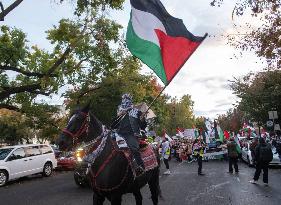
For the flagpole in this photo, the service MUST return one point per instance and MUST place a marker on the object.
(206, 34)
(155, 99)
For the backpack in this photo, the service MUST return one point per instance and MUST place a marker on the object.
(266, 154)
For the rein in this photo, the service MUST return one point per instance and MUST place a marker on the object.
(113, 153)
(82, 129)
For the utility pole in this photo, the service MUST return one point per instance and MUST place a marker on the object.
(272, 115)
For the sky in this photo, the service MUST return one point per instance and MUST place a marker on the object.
(204, 76)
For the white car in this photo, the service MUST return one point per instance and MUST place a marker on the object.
(247, 157)
(22, 160)
(246, 154)
(276, 160)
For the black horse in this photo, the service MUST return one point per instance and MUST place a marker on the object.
(110, 174)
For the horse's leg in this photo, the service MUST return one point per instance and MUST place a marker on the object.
(154, 186)
(138, 197)
(116, 199)
(98, 199)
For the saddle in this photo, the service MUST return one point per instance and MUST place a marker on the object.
(143, 143)
(146, 150)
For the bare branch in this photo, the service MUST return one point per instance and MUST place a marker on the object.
(77, 66)
(82, 94)
(41, 92)
(4, 12)
(36, 87)
(27, 73)
(59, 61)
(68, 50)
(1, 6)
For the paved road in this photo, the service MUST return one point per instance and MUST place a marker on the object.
(182, 187)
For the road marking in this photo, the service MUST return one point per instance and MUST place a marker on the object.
(220, 197)
(208, 190)
(219, 185)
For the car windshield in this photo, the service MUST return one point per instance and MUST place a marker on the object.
(4, 152)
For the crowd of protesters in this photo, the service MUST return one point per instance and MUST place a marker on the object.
(190, 149)
(182, 149)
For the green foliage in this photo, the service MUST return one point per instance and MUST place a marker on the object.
(180, 114)
(200, 122)
(106, 97)
(125, 79)
(82, 55)
(84, 5)
(259, 93)
(88, 56)
(38, 121)
(12, 45)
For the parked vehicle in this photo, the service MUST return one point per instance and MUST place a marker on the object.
(56, 151)
(247, 157)
(276, 159)
(80, 169)
(246, 154)
(66, 160)
(23, 160)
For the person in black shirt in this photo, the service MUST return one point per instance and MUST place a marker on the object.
(128, 125)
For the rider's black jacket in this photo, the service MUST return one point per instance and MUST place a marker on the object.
(129, 123)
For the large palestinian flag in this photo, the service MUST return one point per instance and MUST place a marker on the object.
(158, 39)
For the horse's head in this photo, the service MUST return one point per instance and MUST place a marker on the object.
(82, 127)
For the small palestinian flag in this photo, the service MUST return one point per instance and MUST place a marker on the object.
(158, 39)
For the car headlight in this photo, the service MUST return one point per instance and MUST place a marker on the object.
(79, 154)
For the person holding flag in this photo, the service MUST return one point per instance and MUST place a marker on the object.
(232, 156)
(128, 124)
(238, 147)
(159, 40)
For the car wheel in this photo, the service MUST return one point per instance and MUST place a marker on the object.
(48, 169)
(3, 177)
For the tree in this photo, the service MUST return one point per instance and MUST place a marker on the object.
(264, 40)
(233, 120)
(200, 122)
(180, 114)
(80, 57)
(125, 78)
(40, 124)
(259, 93)
(81, 6)
(77, 59)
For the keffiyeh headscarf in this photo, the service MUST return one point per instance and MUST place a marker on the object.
(126, 103)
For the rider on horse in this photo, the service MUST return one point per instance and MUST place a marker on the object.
(128, 124)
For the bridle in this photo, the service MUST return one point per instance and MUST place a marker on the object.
(84, 127)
